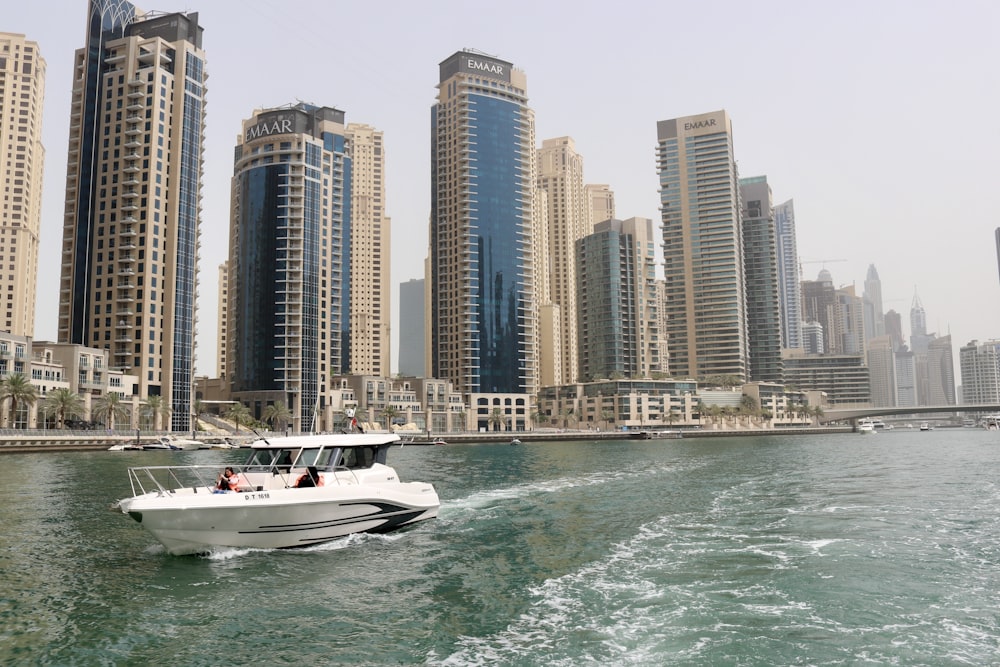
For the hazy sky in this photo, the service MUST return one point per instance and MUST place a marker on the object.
(878, 118)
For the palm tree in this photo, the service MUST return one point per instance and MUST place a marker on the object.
(606, 417)
(390, 413)
(495, 419)
(64, 403)
(238, 413)
(153, 408)
(18, 389)
(199, 407)
(109, 408)
(277, 415)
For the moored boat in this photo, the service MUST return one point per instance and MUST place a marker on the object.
(291, 492)
(177, 442)
(866, 426)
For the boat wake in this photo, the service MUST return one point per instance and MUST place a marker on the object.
(491, 498)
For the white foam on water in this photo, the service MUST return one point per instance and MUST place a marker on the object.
(606, 612)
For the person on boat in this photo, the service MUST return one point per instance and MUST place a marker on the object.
(228, 481)
(309, 478)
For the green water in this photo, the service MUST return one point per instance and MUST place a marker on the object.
(813, 550)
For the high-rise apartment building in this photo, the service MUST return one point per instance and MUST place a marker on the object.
(602, 203)
(289, 259)
(702, 247)
(980, 367)
(618, 314)
(819, 306)
(370, 286)
(133, 197)
(940, 372)
(872, 296)
(481, 273)
(560, 175)
(760, 267)
(789, 280)
(894, 328)
(222, 337)
(22, 90)
(882, 370)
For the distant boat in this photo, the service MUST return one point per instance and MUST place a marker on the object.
(924, 426)
(438, 441)
(866, 427)
(515, 441)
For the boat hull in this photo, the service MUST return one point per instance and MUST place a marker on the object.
(188, 522)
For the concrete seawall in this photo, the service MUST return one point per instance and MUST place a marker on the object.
(12, 441)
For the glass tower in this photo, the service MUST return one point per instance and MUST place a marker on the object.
(133, 197)
(483, 321)
(760, 267)
(289, 266)
(789, 280)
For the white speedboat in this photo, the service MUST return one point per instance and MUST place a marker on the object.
(291, 492)
(866, 426)
(175, 442)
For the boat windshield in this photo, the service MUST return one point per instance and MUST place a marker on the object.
(323, 458)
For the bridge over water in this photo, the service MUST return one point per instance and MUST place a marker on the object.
(853, 414)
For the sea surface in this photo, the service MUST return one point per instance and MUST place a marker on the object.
(836, 549)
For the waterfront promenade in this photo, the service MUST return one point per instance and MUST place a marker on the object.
(58, 440)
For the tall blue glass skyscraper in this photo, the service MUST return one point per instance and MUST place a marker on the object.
(483, 335)
(288, 264)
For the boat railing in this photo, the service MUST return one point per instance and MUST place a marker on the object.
(163, 479)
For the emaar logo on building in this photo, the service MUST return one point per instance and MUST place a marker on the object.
(483, 66)
(278, 126)
(699, 125)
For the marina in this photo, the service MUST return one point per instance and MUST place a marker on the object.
(820, 548)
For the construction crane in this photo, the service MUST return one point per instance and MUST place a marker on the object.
(816, 261)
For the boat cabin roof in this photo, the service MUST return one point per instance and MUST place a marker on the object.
(330, 440)
(322, 452)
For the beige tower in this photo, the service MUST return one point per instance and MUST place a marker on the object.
(220, 364)
(132, 217)
(560, 175)
(602, 204)
(22, 88)
(370, 280)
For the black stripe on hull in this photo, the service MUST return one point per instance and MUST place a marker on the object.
(394, 516)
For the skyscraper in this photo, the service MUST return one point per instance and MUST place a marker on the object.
(919, 338)
(760, 267)
(483, 318)
(222, 337)
(133, 197)
(289, 259)
(22, 89)
(874, 315)
(618, 314)
(560, 175)
(789, 280)
(370, 296)
(980, 365)
(602, 203)
(940, 372)
(702, 247)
